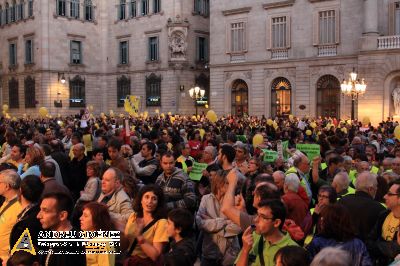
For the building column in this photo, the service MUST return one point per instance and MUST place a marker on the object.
(370, 17)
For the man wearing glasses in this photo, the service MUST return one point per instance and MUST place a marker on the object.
(384, 240)
(261, 244)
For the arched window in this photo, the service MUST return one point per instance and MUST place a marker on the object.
(13, 93)
(123, 89)
(74, 9)
(89, 14)
(280, 97)
(240, 98)
(153, 90)
(203, 81)
(77, 97)
(328, 96)
(30, 96)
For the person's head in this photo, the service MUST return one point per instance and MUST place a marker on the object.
(55, 210)
(387, 163)
(112, 180)
(254, 165)
(326, 195)
(31, 188)
(292, 183)
(367, 182)
(370, 150)
(362, 166)
(396, 165)
(78, 150)
(95, 217)
(392, 197)
(291, 256)
(46, 149)
(390, 176)
(167, 163)
(180, 223)
(47, 169)
(150, 200)
(226, 154)
(302, 163)
(271, 215)
(209, 154)
(265, 191)
(69, 131)
(114, 147)
(148, 149)
(184, 149)
(279, 179)
(75, 138)
(332, 256)
(219, 183)
(23, 258)
(336, 223)
(97, 155)
(9, 182)
(93, 169)
(335, 163)
(241, 151)
(341, 182)
(347, 163)
(17, 152)
(34, 156)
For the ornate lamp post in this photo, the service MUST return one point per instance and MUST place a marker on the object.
(196, 94)
(353, 88)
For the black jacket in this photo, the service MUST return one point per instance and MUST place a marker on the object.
(182, 253)
(364, 212)
(28, 220)
(381, 251)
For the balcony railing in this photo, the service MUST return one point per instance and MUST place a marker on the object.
(389, 42)
(327, 50)
(278, 54)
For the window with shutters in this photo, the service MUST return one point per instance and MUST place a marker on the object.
(123, 89)
(76, 52)
(153, 90)
(237, 37)
(61, 8)
(29, 88)
(13, 93)
(77, 92)
(279, 32)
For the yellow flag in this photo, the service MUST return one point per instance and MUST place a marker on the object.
(131, 104)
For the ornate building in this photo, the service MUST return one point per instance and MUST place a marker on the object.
(290, 56)
(69, 54)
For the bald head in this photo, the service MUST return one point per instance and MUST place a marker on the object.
(367, 182)
(279, 179)
(341, 182)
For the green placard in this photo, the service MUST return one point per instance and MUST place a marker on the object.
(269, 156)
(285, 146)
(197, 171)
(242, 138)
(312, 150)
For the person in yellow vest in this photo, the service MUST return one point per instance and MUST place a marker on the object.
(9, 210)
(341, 184)
(185, 161)
(360, 167)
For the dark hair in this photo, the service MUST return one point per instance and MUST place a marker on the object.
(278, 210)
(104, 137)
(47, 169)
(101, 218)
(32, 188)
(22, 257)
(336, 160)
(159, 212)
(395, 182)
(267, 192)
(229, 152)
(264, 177)
(115, 144)
(46, 149)
(336, 223)
(96, 151)
(182, 220)
(151, 146)
(64, 201)
(95, 166)
(293, 256)
(167, 154)
(331, 191)
(22, 149)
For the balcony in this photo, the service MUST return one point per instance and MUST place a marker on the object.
(327, 50)
(279, 54)
(389, 42)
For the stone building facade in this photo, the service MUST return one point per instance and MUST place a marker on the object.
(290, 56)
(104, 50)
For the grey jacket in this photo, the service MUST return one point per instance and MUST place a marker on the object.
(119, 205)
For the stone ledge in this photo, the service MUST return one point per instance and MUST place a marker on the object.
(278, 4)
(236, 11)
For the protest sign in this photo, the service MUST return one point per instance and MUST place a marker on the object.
(312, 150)
(269, 156)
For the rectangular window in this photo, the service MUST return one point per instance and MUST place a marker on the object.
(327, 27)
(132, 9)
(89, 10)
(145, 7)
(123, 53)
(76, 52)
(279, 32)
(12, 15)
(7, 14)
(13, 54)
(21, 11)
(153, 90)
(74, 9)
(238, 37)
(13, 93)
(123, 90)
(30, 8)
(397, 18)
(153, 49)
(61, 7)
(121, 10)
(156, 6)
(28, 51)
(202, 49)
(201, 7)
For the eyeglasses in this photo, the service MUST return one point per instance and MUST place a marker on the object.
(260, 215)
(392, 194)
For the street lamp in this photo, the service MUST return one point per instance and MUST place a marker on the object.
(196, 94)
(353, 88)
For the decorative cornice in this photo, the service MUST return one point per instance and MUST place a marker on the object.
(279, 4)
(75, 36)
(236, 11)
(153, 31)
(29, 35)
(202, 32)
(123, 36)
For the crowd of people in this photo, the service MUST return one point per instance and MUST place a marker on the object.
(136, 176)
